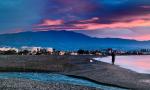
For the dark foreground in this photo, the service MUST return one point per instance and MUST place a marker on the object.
(77, 66)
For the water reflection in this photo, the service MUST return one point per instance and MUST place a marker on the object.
(139, 64)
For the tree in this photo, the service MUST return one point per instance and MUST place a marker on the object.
(10, 52)
(24, 52)
(80, 51)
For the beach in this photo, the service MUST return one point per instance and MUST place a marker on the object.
(79, 67)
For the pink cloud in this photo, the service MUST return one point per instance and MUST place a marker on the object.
(95, 26)
(94, 19)
(92, 24)
(48, 22)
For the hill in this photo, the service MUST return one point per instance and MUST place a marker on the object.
(67, 40)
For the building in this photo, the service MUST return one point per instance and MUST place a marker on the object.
(34, 50)
(4, 49)
(31, 50)
(62, 53)
(98, 53)
(50, 50)
(73, 53)
(8, 51)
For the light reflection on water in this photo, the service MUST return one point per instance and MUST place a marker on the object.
(139, 64)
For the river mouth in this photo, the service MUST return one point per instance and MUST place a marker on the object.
(52, 77)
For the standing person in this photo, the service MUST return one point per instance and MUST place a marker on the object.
(113, 57)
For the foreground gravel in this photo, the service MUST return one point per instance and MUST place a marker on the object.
(24, 84)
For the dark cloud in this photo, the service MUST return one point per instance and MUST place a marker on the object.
(108, 10)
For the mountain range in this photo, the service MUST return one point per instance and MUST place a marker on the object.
(68, 40)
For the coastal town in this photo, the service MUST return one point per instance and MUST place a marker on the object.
(25, 50)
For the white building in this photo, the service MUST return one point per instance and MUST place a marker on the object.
(62, 53)
(33, 50)
(3, 49)
(98, 53)
(25, 48)
(50, 50)
(73, 53)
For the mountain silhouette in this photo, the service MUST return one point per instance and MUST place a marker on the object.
(67, 40)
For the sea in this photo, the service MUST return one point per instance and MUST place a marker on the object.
(138, 63)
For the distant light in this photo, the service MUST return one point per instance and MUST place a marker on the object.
(91, 61)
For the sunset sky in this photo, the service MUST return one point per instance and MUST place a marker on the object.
(128, 19)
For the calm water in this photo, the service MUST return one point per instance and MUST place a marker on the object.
(139, 64)
(45, 77)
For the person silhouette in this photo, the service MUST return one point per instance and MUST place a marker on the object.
(113, 57)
